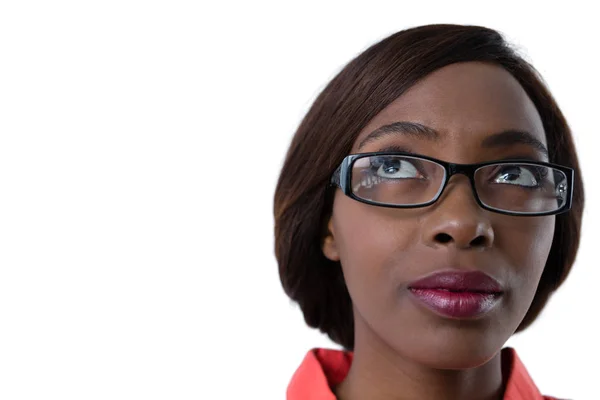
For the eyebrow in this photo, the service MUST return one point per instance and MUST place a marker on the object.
(402, 127)
(501, 139)
(513, 136)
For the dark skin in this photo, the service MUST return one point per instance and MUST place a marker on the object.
(402, 350)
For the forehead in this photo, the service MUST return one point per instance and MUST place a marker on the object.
(465, 102)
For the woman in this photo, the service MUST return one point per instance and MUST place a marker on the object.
(429, 205)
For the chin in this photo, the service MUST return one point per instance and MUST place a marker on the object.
(452, 350)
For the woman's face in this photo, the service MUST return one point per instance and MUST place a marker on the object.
(382, 250)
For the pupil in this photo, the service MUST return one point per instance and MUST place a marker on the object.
(390, 166)
(510, 175)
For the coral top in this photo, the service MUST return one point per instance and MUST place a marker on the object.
(325, 368)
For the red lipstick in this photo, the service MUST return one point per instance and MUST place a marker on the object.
(458, 294)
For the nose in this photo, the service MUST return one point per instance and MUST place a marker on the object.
(457, 220)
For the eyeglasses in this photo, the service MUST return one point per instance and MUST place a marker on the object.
(406, 180)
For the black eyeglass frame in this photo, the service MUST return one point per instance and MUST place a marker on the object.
(342, 178)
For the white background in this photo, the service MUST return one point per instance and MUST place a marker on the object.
(140, 143)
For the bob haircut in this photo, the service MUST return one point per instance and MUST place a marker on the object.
(364, 87)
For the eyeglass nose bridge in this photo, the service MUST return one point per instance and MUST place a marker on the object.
(467, 170)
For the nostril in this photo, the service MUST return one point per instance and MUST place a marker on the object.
(478, 241)
(443, 238)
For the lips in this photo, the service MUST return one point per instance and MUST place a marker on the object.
(459, 281)
(458, 294)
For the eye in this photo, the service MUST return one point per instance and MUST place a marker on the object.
(518, 175)
(396, 168)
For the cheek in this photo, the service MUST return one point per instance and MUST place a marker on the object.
(367, 239)
(526, 244)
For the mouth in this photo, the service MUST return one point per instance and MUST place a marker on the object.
(458, 294)
(444, 289)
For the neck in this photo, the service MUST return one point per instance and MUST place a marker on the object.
(379, 372)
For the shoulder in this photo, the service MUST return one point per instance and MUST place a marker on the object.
(519, 384)
(320, 370)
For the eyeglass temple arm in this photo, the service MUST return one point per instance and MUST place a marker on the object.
(339, 175)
